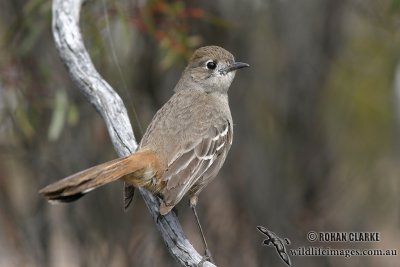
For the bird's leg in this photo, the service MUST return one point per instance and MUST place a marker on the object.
(207, 256)
(175, 210)
(161, 200)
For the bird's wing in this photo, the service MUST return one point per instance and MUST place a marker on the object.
(200, 159)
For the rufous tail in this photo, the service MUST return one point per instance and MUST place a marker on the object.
(137, 169)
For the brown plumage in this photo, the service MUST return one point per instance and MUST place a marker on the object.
(138, 169)
(184, 146)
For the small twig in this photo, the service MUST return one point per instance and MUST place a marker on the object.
(107, 102)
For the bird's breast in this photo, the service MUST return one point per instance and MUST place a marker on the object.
(184, 119)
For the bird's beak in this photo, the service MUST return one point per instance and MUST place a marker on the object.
(234, 66)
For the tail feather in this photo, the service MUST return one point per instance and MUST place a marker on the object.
(77, 185)
(65, 199)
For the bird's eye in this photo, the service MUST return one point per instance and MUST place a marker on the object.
(211, 65)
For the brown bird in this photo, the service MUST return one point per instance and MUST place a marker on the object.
(184, 146)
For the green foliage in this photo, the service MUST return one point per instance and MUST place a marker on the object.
(169, 23)
(29, 26)
(59, 114)
(394, 6)
(359, 99)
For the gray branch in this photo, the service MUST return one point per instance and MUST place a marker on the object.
(107, 102)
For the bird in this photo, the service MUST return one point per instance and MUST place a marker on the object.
(184, 146)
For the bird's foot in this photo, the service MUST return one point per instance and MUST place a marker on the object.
(207, 257)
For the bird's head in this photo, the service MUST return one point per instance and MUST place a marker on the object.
(212, 69)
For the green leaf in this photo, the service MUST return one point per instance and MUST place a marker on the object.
(59, 114)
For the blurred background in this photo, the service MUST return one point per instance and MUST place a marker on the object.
(316, 144)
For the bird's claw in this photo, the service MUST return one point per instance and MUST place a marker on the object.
(207, 257)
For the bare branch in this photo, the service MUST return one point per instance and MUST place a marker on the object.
(107, 102)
